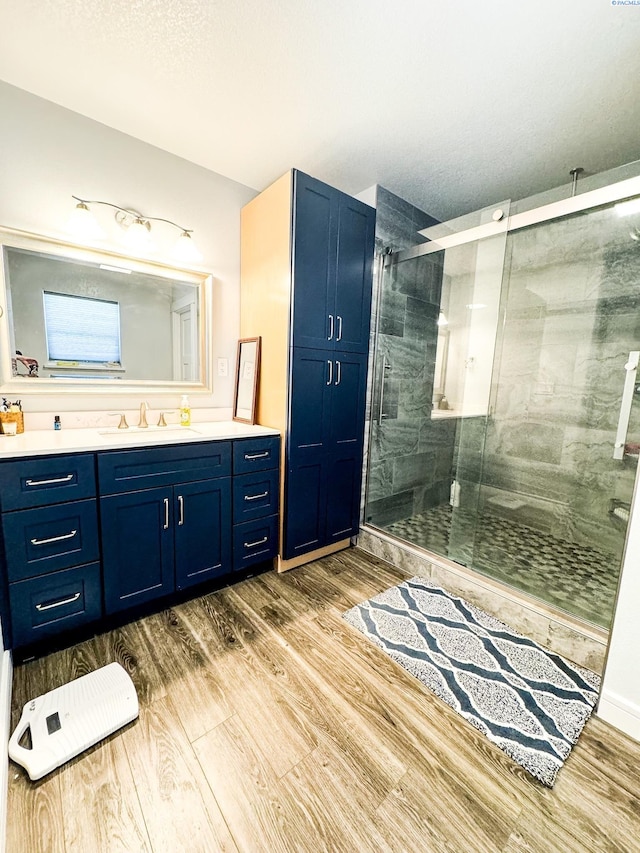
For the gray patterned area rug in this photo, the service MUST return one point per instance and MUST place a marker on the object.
(531, 702)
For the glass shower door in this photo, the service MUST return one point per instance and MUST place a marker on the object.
(563, 439)
(438, 316)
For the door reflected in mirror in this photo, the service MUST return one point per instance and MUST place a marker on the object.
(245, 399)
(79, 317)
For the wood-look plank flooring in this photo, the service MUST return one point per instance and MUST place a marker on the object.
(268, 724)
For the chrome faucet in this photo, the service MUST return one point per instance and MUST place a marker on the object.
(144, 408)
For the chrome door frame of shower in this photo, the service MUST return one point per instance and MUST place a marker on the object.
(555, 210)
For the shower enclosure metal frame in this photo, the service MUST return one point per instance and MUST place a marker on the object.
(555, 210)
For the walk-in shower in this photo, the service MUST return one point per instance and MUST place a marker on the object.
(505, 412)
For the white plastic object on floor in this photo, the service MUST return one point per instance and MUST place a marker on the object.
(66, 721)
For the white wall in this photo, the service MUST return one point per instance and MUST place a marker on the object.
(6, 670)
(48, 153)
(620, 697)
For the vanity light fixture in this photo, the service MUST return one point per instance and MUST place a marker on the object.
(137, 229)
(442, 320)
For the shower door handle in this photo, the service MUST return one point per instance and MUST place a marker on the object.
(383, 375)
(631, 368)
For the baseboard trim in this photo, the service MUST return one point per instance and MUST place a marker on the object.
(6, 674)
(294, 562)
(619, 712)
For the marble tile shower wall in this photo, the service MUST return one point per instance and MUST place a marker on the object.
(410, 455)
(571, 322)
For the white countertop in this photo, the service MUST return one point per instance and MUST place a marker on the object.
(41, 442)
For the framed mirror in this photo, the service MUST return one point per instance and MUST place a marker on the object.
(245, 398)
(79, 319)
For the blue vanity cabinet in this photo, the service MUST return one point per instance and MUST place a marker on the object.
(89, 535)
(50, 545)
(333, 247)
(158, 539)
(256, 496)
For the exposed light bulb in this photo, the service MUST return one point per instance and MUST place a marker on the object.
(185, 249)
(137, 236)
(83, 224)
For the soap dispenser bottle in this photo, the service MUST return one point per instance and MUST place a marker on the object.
(185, 411)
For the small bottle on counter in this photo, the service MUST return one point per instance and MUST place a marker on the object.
(56, 422)
(185, 412)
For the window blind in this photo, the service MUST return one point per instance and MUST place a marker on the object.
(81, 329)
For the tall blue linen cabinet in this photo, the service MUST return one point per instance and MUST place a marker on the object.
(306, 279)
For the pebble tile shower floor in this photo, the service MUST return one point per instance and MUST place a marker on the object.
(577, 579)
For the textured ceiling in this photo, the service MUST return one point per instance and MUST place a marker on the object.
(452, 104)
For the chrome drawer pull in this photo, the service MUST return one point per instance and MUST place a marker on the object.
(339, 338)
(181, 510)
(166, 514)
(255, 497)
(253, 544)
(49, 482)
(64, 601)
(330, 327)
(256, 455)
(54, 539)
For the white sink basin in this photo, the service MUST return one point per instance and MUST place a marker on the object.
(149, 434)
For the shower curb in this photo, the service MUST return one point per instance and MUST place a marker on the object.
(580, 642)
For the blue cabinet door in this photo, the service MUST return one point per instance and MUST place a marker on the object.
(333, 247)
(306, 499)
(137, 547)
(312, 378)
(344, 478)
(347, 398)
(315, 239)
(202, 520)
(356, 232)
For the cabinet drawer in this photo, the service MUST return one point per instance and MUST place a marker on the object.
(256, 454)
(132, 470)
(46, 539)
(255, 541)
(41, 481)
(56, 602)
(255, 495)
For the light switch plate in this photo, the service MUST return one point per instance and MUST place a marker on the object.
(223, 367)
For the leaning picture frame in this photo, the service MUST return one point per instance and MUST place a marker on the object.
(247, 378)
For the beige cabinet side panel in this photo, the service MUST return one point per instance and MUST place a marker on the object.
(265, 294)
